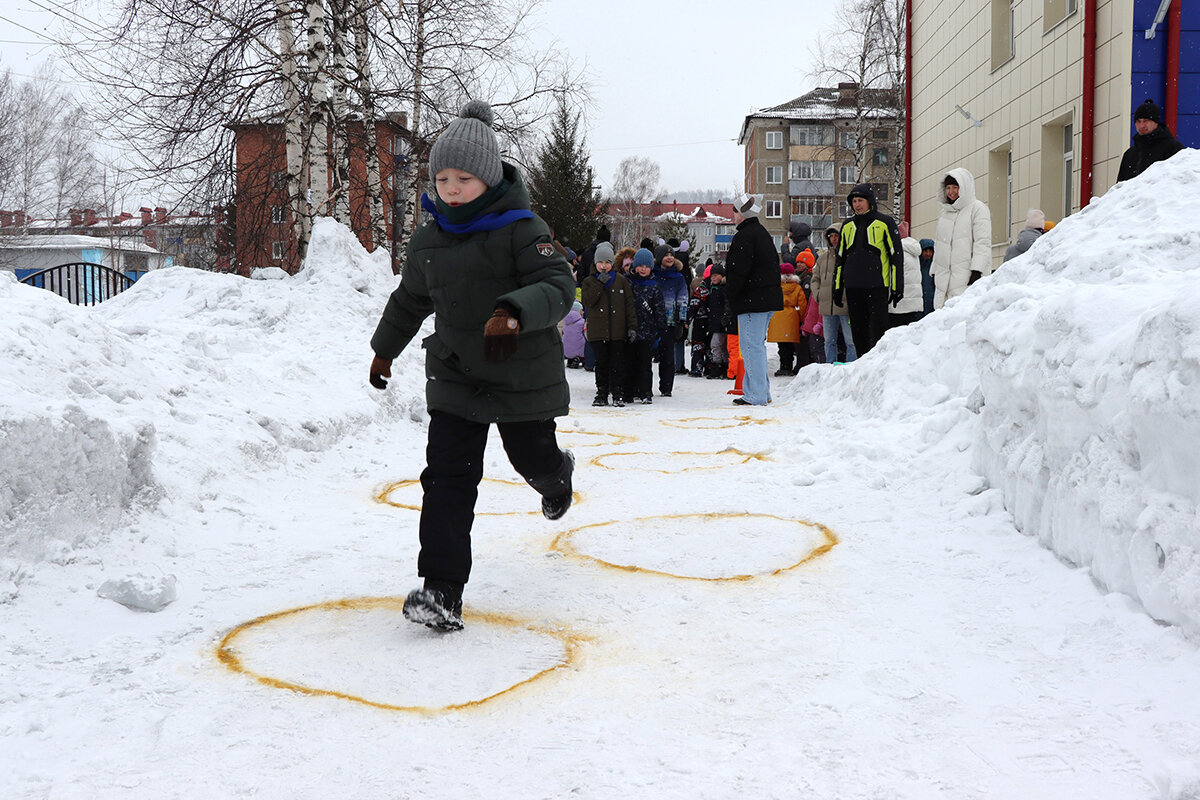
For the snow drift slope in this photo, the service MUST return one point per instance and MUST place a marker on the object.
(1081, 361)
(103, 405)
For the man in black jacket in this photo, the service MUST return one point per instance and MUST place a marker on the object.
(1152, 143)
(755, 293)
(869, 268)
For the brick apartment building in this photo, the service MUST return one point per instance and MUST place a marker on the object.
(804, 156)
(265, 234)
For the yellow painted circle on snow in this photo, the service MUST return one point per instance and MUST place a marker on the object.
(563, 544)
(612, 438)
(228, 654)
(729, 457)
(716, 423)
(385, 496)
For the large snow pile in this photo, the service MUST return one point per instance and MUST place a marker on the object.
(1078, 364)
(100, 407)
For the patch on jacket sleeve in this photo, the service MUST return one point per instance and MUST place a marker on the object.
(546, 249)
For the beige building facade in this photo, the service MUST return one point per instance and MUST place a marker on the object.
(998, 87)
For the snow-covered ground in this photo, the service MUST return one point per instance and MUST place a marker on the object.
(967, 566)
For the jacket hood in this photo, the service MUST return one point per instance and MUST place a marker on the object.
(834, 228)
(863, 190)
(799, 230)
(966, 188)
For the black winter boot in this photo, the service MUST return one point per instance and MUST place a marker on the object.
(437, 606)
(555, 488)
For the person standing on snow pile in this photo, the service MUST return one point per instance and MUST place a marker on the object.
(963, 236)
(784, 327)
(668, 271)
(1035, 226)
(611, 317)
(927, 275)
(1152, 143)
(834, 319)
(910, 308)
(485, 266)
(869, 269)
(651, 326)
(752, 278)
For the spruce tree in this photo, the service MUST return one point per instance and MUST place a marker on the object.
(561, 187)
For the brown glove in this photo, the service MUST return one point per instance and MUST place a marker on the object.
(500, 336)
(380, 368)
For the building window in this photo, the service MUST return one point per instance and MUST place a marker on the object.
(1055, 11)
(1002, 32)
(880, 133)
(277, 215)
(810, 170)
(708, 230)
(774, 174)
(277, 251)
(774, 140)
(810, 206)
(848, 140)
(1000, 192)
(811, 135)
(1068, 170)
(774, 209)
(844, 210)
(1057, 179)
(279, 180)
(847, 176)
(881, 192)
(880, 157)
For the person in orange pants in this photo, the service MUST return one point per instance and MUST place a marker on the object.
(737, 368)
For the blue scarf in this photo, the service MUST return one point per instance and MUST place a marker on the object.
(484, 222)
(638, 280)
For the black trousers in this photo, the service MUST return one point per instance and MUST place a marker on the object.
(640, 375)
(867, 309)
(787, 355)
(454, 468)
(666, 360)
(610, 367)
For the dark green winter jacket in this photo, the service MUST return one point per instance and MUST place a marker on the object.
(460, 279)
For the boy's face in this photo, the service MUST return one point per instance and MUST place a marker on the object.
(457, 187)
(718, 279)
(643, 270)
(603, 266)
(668, 261)
(927, 252)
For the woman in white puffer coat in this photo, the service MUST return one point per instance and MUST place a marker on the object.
(963, 237)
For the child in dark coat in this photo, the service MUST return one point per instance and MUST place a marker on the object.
(611, 316)
(652, 325)
(486, 267)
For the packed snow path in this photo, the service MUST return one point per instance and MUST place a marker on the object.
(932, 652)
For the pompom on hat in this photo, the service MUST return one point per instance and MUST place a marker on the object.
(469, 144)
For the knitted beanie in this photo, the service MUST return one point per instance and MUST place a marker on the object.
(660, 252)
(1036, 218)
(643, 258)
(469, 144)
(1148, 110)
(604, 252)
(787, 269)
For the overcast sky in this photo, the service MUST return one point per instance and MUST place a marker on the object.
(670, 81)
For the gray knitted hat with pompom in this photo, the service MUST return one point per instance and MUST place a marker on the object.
(469, 144)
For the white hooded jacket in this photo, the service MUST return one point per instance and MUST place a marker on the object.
(913, 299)
(963, 239)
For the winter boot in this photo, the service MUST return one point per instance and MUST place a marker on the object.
(601, 400)
(618, 402)
(555, 488)
(437, 606)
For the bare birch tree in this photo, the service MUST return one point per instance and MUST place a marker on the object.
(636, 182)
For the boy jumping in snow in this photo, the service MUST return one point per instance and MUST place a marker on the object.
(486, 267)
